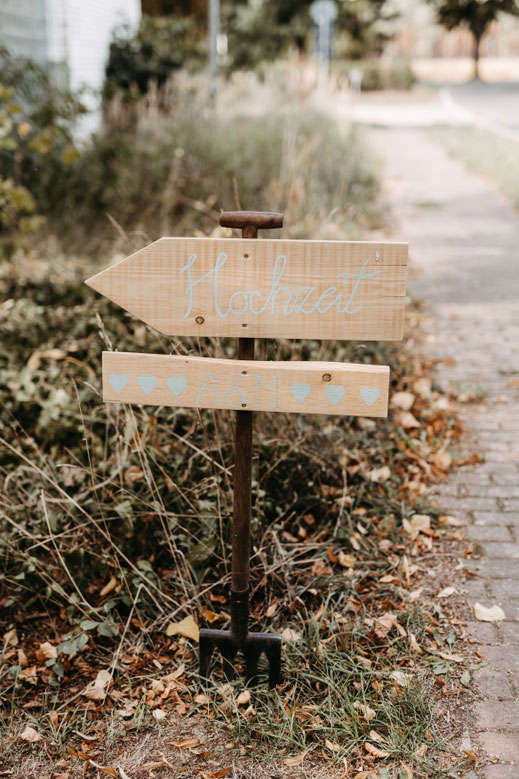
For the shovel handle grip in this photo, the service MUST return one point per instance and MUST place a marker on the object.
(260, 220)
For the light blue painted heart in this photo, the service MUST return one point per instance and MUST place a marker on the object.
(118, 381)
(147, 383)
(335, 392)
(370, 395)
(176, 384)
(300, 391)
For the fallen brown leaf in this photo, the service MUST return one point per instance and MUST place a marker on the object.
(319, 568)
(375, 751)
(454, 521)
(402, 400)
(29, 675)
(331, 746)
(296, 760)
(366, 712)
(493, 614)
(379, 474)
(97, 690)
(186, 627)
(472, 460)
(346, 560)
(217, 774)
(407, 420)
(54, 718)
(291, 635)
(105, 769)
(132, 475)
(46, 651)
(442, 460)
(272, 608)
(186, 743)
(109, 586)
(452, 657)
(446, 592)
(151, 765)
(30, 735)
(158, 715)
(210, 616)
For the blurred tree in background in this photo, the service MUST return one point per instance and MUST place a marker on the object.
(477, 15)
(173, 34)
(156, 49)
(196, 9)
(261, 30)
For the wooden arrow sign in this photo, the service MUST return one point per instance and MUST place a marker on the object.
(265, 289)
(201, 382)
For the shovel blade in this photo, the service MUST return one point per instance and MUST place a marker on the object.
(254, 645)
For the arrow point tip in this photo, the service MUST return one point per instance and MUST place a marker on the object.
(91, 282)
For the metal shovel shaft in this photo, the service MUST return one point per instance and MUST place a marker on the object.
(251, 645)
(242, 488)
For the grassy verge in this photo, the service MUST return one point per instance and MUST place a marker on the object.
(116, 524)
(486, 153)
(160, 174)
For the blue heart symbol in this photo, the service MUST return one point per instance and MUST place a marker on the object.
(118, 381)
(335, 392)
(147, 383)
(300, 391)
(176, 384)
(370, 395)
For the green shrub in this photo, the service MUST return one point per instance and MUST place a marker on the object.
(36, 140)
(172, 174)
(17, 206)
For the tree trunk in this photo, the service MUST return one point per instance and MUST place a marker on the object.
(477, 43)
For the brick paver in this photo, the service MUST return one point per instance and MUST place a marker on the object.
(464, 240)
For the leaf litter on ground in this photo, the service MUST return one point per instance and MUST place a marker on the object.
(341, 569)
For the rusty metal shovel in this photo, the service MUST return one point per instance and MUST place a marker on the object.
(239, 639)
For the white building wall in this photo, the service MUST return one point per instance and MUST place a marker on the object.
(23, 28)
(73, 33)
(79, 33)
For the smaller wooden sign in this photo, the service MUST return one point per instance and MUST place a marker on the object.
(201, 382)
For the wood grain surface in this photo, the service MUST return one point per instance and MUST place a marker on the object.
(201, 382)
(265, 289)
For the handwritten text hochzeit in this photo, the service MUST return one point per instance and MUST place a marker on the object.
(287, 300)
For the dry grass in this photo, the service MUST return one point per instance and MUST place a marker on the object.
(483, 152)
(169, 170)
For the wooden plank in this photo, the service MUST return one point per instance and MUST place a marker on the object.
(264, 289)
(201, 382)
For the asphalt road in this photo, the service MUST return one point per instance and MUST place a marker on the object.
(497, 103)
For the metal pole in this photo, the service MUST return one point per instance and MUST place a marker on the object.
(242, 488)
(324, 54)
(239, 638)
(214, 23)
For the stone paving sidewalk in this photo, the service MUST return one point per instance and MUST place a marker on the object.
(464, 249)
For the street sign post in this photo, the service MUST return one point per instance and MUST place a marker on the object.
(324, 13)
(266, 289)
